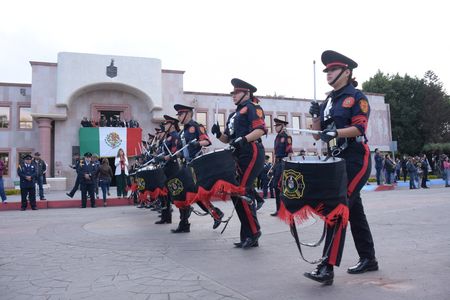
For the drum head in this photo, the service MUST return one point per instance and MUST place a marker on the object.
(312, 159)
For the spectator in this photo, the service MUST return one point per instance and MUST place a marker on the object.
(109, 122)
(105, 175)
(403, 162)
(418, 164)
(85, 122)
(425, 166)
(103, 122)
(378, 165)
(27, 174)
(410, 166)
(121, 173)
(398, 167)
(2, 188)
(133, 124)
(41, 169)
(389, 166)
(446, 171)
(96, 164)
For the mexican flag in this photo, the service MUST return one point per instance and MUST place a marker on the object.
(106, 141)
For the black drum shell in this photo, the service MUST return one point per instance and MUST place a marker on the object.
(153, 179)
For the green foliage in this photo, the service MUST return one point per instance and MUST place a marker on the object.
(12, 192)
(437, 147)
(419, 108)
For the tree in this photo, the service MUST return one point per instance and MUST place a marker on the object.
(419, 108)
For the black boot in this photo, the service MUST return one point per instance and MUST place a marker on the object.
(166, 216)
(184, 225)
(323, 273)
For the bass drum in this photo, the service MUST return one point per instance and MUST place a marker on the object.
(215, 175)
(182, 187)
(310, 184)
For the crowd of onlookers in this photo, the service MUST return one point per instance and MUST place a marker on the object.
(416, 168)
(113, 121)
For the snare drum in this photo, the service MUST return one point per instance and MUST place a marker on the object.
(182, 187)
(215, 175)
(310, 184)
(151, 181)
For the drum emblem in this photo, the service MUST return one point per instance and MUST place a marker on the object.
(141, 183)
(293, 184)
(175, 186)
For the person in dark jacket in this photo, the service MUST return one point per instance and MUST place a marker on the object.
(41, 169)
(86, 170)
(27, 174)
(105, 175)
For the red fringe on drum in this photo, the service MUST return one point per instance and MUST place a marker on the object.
(190, 198)
(221, 190)
(307, 211)
(152, 195)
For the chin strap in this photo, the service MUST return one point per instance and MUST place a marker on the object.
(337, 77)
(241, 98)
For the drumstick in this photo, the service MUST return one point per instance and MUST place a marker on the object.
(184, 147)
(310, 131)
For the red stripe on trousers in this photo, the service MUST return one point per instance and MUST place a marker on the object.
(251, 222)
(250, 165)
(211, 209)
(335, 247)
(351, 187)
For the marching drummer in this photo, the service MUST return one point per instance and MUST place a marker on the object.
(194, 135)
(170, 143)
(283, 148)
(243, 131)
(344, 116)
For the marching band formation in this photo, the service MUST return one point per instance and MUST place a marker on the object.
(176, 171)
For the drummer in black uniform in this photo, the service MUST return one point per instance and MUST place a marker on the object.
(194, 135)
(170, 143)
(283, 148)
(244, 130)
(345, 115)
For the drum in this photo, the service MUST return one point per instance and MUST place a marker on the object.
(313, 185)
(182, 187)
(151, 181)
(215, 175)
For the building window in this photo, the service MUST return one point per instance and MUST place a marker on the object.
(4, 156)
(308, 122)
(296, 124)
(4, 116)
(202, 118)
(268, 121)
(21, 155)
(221, 121)
(25, 119)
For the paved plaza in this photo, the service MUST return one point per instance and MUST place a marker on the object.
(119, 253)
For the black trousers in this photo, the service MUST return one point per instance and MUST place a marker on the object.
(358, 166)
(75, 187)
(250, 162)
(277, 173)
(87, 189)
(29, 193)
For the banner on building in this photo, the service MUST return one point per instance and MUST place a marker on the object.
(106, 141)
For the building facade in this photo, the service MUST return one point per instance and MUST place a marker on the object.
(45, 115)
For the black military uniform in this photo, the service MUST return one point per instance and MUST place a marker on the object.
(283, 148)
(265, 176)
(171, 167)
(344, 108)
(77, 179)
(27, 174)
(189, 133)
(249, 116)
(86, 170)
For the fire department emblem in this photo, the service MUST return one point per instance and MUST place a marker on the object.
(141, 183)
(175, 186)
(113, 140)
(293, 184)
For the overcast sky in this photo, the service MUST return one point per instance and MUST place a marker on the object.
(271, 44)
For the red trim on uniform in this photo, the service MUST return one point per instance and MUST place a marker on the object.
(360, 120)
(211, 209)
(251, 222)
(336, 63)
(354, 182)
(258, 123)
(250, 165)
(335, 247)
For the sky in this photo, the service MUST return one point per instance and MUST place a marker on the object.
(270, 44)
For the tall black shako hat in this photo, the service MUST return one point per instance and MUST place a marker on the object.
(332, 58)
(278, 121)
(242, 86)
(182, 108)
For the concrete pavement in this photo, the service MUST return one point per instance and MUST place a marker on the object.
(118, 253)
